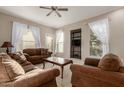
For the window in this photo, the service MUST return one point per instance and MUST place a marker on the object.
(95, 45)
(28, 40)
(49, 42)
(99, 38)
(59, 41)
(24, 36)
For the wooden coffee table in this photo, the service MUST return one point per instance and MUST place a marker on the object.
(58, 61)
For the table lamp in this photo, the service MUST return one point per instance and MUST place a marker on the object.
(7, 45)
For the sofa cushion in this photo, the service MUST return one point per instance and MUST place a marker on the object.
(110, 62)
(13, 68)
(36, 57)
(29, 67)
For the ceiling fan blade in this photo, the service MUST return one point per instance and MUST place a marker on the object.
(58, 13)
(49, 13)
(44, 7)
(62, 9)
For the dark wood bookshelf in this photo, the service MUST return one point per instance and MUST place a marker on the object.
(75, 43)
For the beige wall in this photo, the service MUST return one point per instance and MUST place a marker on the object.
(116, 20)
(6, 28)
(117, 32)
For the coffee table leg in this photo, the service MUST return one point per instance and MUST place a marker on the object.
(62, 68)
(53, 64)
(43, 65)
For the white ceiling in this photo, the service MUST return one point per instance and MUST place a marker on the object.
(75, 14)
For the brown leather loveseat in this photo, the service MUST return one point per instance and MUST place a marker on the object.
(36, 55)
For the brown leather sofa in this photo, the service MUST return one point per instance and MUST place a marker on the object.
(105, 72)
(36, 55)
(21, 73)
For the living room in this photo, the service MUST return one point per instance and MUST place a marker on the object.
(31, 29)
(113, 16)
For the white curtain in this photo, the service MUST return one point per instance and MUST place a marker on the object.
(18, 30)
(49, 41)
(36, 34)
(59, 38)
(101, 29)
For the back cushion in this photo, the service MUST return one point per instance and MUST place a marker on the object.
(110, 62)
(13, 68)
(38, 51)
(32, 51)
(44, 51)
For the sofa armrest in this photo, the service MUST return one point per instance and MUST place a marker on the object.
(121, 70)
(49, 53)
(97, 75)
(36, 77)
(92, 61)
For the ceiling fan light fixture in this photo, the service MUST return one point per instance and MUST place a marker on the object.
(54, 9)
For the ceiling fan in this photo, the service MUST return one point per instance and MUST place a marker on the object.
(54, 9)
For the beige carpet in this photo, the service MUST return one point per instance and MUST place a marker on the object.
(66, 81)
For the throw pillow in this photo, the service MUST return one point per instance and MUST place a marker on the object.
(19, 57)
(110, 62)
(13, 68)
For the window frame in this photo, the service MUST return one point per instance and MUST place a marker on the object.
(26, 41)
(57, 42)
(101, 29)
